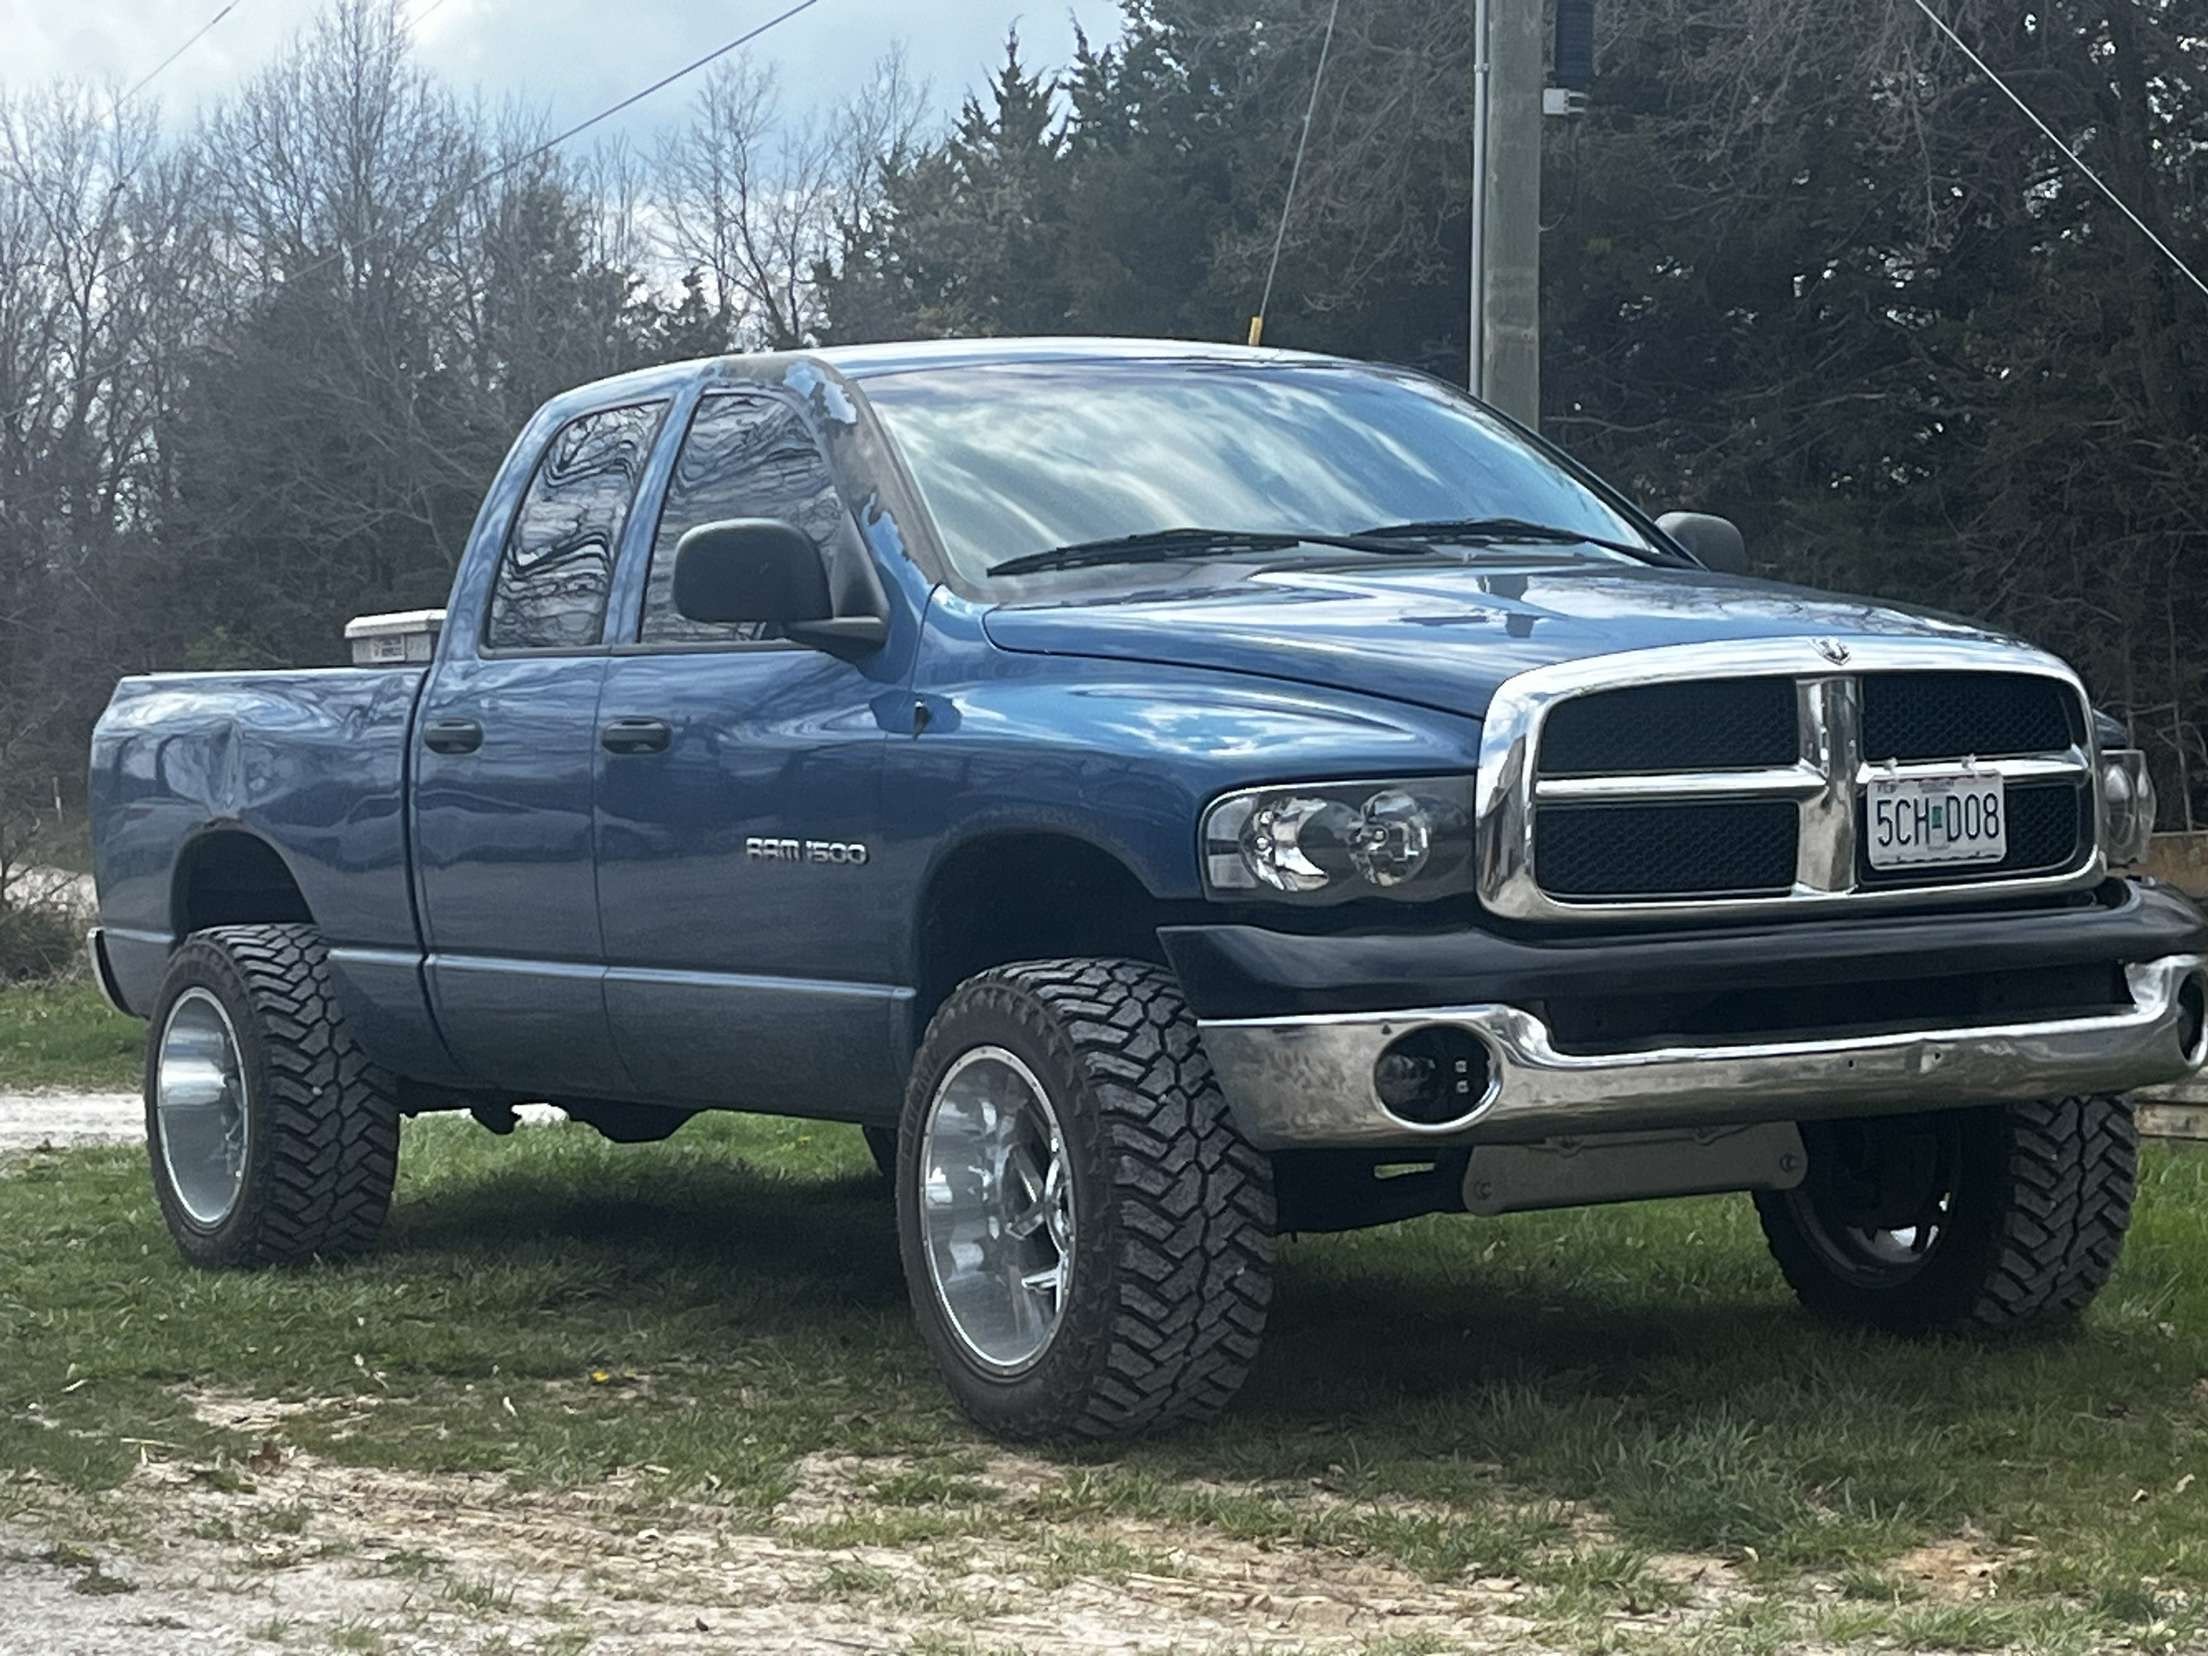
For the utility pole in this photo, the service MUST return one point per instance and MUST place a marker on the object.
(1510, 73)
(1476, 377)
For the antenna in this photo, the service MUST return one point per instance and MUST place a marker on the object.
(1295, 172)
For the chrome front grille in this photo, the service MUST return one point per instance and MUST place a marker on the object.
(1732, 778)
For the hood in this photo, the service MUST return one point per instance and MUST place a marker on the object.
(1443, 636)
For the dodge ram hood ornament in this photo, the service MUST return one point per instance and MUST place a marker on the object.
(1833, 651)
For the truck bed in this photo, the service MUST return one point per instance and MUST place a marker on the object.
(313, 763)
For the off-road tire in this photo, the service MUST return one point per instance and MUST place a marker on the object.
(1173, 1251)
(2038, 1219)
(323, 1142)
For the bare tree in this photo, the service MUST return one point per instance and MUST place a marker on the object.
(102, 271)
(756, 199)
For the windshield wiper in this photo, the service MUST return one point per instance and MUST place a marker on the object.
(1485, 529)
(1164, 545)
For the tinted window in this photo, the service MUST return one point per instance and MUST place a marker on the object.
(746, 456)
(558, 564)
(1019, 458)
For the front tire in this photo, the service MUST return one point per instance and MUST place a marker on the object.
(1087, 1237)
(272, 1137)
(1995, 1218)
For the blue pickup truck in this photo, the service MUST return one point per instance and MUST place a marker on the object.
(1167, 796)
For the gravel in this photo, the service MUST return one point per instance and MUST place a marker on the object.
(32, 1120)
(29, 1120)
(58, 1606)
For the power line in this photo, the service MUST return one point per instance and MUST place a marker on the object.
(1303, 142)
(149, 77)
(197, 35)
(492, 175)
(2093, 177)
(661, 84)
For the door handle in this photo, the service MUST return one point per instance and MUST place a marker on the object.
(452, 736)
(635, 736)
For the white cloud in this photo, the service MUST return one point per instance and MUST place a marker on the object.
(567, 57)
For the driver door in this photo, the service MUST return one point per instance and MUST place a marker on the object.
(747, 930)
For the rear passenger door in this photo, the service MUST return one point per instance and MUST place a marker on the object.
(506, 740)
(738, 972)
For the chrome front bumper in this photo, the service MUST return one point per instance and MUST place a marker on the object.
(1308, 1081)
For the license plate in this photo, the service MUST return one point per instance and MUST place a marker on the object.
(1955, 817)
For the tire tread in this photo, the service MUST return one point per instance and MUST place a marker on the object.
(2065, 1175)
(328, 1116)
(1184, 1304)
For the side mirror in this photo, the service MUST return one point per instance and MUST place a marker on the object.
(762, 569)
(1714, 541)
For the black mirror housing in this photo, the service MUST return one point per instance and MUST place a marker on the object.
(751, 569)
(1715, 542)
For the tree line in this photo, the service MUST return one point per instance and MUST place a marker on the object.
(1802, 265)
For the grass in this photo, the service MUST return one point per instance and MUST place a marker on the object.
(1557, 1400)
(61, 1034)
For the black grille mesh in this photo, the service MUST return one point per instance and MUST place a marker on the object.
(2049, 828)
(1736, 846)
(1717, 724)
(1910, 716)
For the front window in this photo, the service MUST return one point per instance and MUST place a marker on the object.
(746, 455)
(1016, 459)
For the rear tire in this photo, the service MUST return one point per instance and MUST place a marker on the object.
(295, 1153)
(1074, 1095)
(1993, 1218)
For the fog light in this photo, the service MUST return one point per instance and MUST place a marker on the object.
(1433, 1076)
(2192, 1020)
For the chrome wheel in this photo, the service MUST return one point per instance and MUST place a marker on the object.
(1883, 1255)
(199, 1095)
(996, 1209)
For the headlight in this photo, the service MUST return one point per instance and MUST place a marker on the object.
(1326, 842)
(2127, 805)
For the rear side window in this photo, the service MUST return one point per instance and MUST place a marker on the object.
(558, 563)
(747, 455)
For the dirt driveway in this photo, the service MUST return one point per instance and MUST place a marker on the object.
(28, 1120)
(296, 1554)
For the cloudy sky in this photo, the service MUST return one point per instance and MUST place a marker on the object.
(572, 57)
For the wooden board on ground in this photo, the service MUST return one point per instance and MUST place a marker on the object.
(2174, 1121)
(2175, 1112)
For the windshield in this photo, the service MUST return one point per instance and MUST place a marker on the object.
(1016, 459)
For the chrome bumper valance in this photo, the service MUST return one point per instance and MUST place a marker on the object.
(1309, 1080)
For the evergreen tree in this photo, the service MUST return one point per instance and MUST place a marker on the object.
(972, 236)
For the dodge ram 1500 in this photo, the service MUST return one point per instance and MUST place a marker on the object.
(1167, 796)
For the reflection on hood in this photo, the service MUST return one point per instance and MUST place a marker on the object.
(1441, 636)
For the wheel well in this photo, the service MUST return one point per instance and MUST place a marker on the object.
(230, 878)
(1028, 897)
